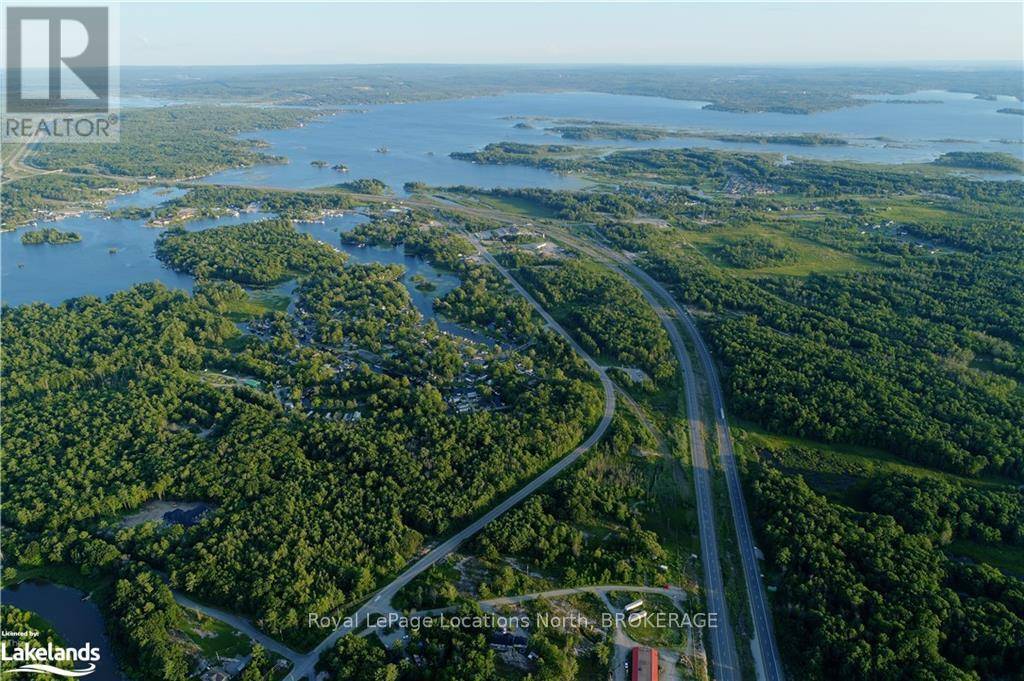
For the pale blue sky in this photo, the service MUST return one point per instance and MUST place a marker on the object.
(719, 33)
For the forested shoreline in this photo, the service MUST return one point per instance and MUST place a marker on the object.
(867, 322)
(122, 391)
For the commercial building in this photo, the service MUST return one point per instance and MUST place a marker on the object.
(644, 665)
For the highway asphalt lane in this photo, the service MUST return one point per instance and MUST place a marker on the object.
(724, 659)
(765, 635)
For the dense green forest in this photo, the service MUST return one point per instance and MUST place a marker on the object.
(754, 252)
(961, 516)
(482, 302)
(742, 172)
(866, 599)
(258, 253)
(606, 315)
(146, 625)
(119, 391)
(916, 349)
(49, 236)
(594, 130)
(838, 357)
(613, 497)
(173, 142)
(211, 200)
(29, 198)
(981, 161)
(365, 186)
(867, 313)
(890, 317)
(419, 235)
(944, 510)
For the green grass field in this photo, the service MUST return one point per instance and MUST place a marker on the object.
(809, 256)
(846, 460)
(1007, 558)
(651, 631)
(216, 638)
(514, 205)
(257, 304)
(840, 471)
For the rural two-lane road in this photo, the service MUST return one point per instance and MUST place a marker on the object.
(725, 659)
(304, 665)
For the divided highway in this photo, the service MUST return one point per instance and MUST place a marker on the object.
(724, 659)
(771, 664)
(381, 601)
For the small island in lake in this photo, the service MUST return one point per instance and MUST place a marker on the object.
(368, 185)
(912, 101)
(594, 130)
(421, 283)
(340, 167)
(131, 213)
(1015, 111)
(318, 164)
(50, 236)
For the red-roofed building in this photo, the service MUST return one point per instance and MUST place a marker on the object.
(644, 665)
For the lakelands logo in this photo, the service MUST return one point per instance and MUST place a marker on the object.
(40, 660)
(59, 78)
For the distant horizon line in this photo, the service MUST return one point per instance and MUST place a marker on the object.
(1006, 63)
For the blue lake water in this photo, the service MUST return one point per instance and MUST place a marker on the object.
(329, 231)
(419, 136)
(147, 197)
(53, 273)
(76, 621)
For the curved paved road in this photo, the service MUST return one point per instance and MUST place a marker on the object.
(725, 661)
(241, 624)
(673, 591)
(771, 664)
(305, 664)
